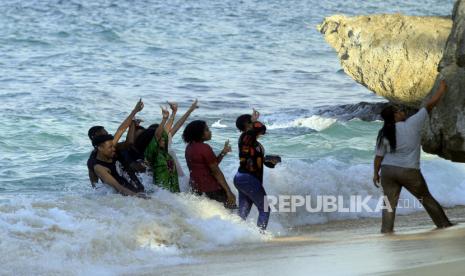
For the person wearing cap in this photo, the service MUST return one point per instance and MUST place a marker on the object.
(100, 130)
(110, 170)
(249, 177)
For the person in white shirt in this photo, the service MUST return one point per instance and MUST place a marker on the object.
(398, 150)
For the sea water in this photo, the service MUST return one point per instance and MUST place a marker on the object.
(68, 65)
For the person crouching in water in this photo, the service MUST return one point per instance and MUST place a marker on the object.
(162, 164)
(249, 178)
(206, 176)
(120, 147)
(398, 157)
(108, 169)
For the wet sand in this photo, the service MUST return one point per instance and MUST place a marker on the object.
(352, 247)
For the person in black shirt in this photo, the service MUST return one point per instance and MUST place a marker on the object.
(110, 171)
(96, 131)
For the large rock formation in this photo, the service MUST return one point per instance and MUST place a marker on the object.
(445, 135)
(395, 56)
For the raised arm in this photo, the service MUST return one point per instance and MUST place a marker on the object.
(161, 127)
(183, 119)
(127, 122)
(174, 109)
(107, 178)
(129, 137)
(442, 89)
(255, 115)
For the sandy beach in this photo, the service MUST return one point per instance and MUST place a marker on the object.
(344, 248)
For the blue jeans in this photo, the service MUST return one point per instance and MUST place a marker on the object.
(251, 191)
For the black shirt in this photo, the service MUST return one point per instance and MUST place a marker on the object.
(119, 169)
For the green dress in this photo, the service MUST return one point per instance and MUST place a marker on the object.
(163, 165)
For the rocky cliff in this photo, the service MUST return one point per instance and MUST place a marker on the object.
(393, 55)
(445, 134)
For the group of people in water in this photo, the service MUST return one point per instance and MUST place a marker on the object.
(117, 164)
(149, 150)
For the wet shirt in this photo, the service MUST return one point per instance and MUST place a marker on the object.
(408, 140)
(198, 157)
(251, 152)
(163, 165)
(119, 173)
(122, 171)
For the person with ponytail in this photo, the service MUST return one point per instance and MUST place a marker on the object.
(398, 149)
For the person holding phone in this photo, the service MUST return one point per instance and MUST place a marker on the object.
(206, 176)
(249, 177)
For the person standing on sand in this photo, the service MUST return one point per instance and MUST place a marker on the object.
(398, 157)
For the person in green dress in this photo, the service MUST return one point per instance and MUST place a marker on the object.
(161, 162)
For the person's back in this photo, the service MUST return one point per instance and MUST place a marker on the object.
(408, 143)
(397, 157)
(198, 158)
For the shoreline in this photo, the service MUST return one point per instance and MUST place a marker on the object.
(349, 247)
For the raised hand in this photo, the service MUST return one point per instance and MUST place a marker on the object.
(194, 105)
(255, 115)
(226, 148)
(139, 106)
(173, 106)
(165, 112)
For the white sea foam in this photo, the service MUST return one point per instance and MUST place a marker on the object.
(218, 124)
(327, 176)
(112, 234)
(314, 122)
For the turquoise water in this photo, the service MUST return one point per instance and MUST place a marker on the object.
(68, 65)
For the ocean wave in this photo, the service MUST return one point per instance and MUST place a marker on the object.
(74, 234)
(314, 122)
(218, 124)
(330, 177)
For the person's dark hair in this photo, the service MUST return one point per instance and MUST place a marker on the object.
(101, 139)
(93, 130)
(388, 130)
(194, 131)
(153, 126)
(242, 121)
(143, 140)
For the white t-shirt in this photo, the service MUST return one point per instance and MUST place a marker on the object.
(408, 139)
